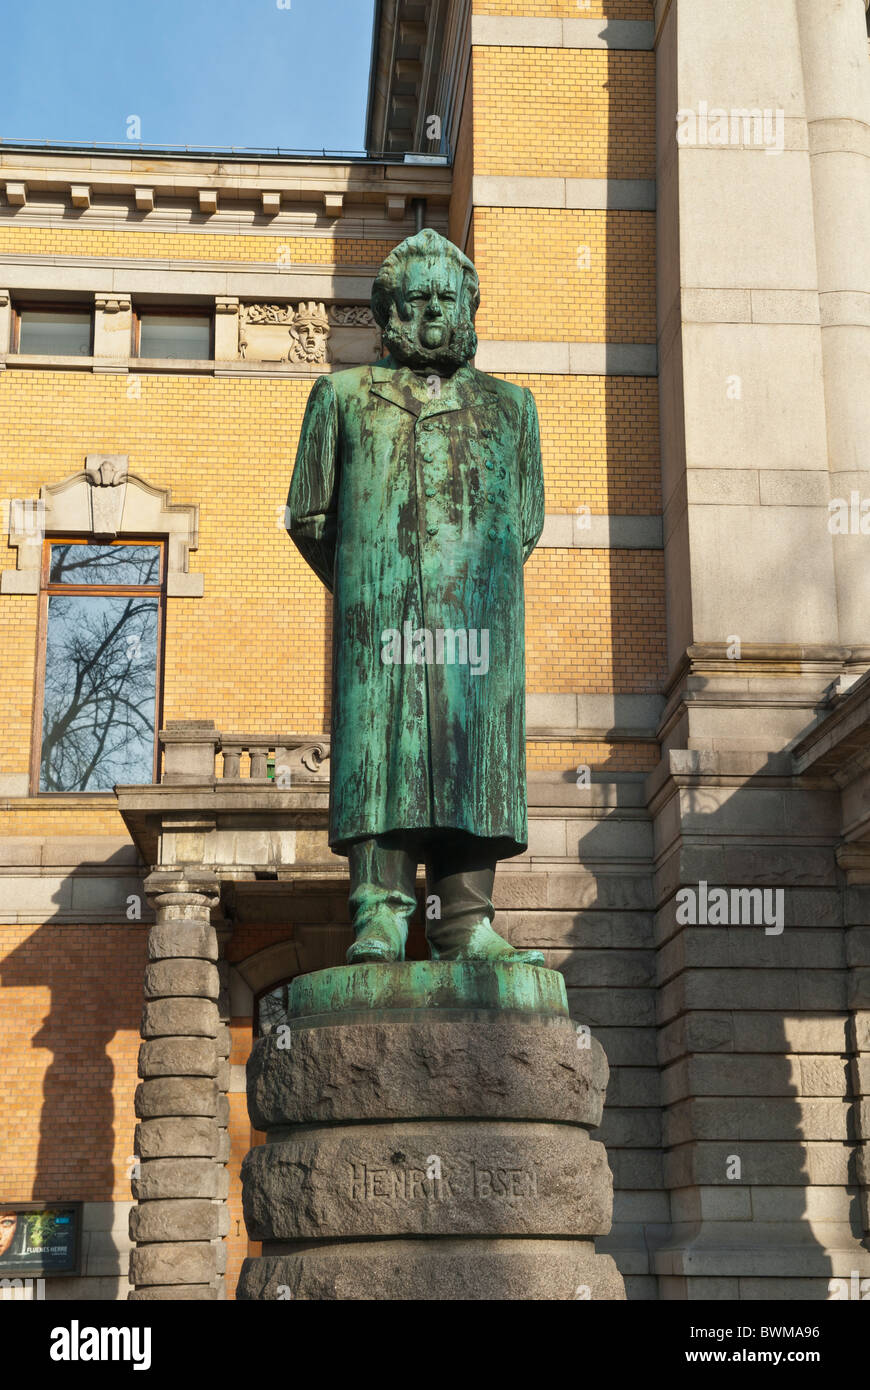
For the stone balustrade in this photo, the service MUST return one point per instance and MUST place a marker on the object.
(195, 753)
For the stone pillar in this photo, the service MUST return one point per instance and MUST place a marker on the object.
(5, 322)
(113, 326)
(833, 39)
(226, 328)
(223, 931)
(744, 454)
(180, 1218)
(433, 1153)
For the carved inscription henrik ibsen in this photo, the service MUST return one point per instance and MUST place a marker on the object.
(404, 1182)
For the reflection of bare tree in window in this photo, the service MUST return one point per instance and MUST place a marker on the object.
(104, 564)
(100, 680)
(272, 1008)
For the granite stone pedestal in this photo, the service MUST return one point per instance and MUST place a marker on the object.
(437, 1152)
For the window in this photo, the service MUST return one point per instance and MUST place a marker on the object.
(271, 1009)
(61, 332)
(181, 333)
(102, 620)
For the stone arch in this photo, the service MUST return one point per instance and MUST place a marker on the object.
(273, 964)
(254, 974)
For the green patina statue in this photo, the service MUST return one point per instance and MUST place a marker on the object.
(417, 496)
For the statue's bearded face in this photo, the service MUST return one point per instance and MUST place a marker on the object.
(430, 324)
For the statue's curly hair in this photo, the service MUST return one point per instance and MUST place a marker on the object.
(426, 243)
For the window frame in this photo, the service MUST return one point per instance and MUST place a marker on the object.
(197, 311)
(46, 591)
(57, 306)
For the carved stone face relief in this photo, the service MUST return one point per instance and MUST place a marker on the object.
(310, 330)
(308, 334)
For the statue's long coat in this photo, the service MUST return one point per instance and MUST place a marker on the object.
(419, 506)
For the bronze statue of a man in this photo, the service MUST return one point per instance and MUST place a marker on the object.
(417, 497)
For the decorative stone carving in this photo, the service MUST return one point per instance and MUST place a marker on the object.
(67, 508)
(107, 474)
(308, 333)
(344, 315)
(112, 304)
(355, 336)
(313, 757)
(284, 334)
(268, 313)
(106, 470)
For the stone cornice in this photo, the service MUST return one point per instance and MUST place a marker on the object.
(157, 180)
(840, 741)
(186, 279)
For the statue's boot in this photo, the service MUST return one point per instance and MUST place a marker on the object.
(464, 930)
(382, 900)
(381, 939)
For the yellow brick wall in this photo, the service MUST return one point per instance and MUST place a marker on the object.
(69, 1039)
(18, 645)
(595, 621)
(551, 275)
(57, 816)
(631, 756)
(322, 249)
(564, 113)
(595, 618)
(599, 442)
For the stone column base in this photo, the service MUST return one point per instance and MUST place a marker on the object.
(430, 1153)
(440, 1269)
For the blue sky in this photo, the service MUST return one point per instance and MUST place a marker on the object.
(199, 72)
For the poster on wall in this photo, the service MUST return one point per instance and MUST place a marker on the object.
(40, 1239)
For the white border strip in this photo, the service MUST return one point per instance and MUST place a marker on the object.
(585, 532)
(567, 359)
(600, 195)
(515, 31)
